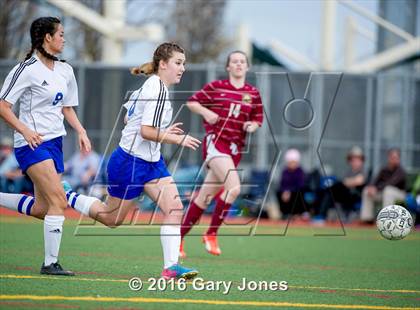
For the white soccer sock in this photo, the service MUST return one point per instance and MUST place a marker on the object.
(79, 202)
(17, 202)
(170, 237)
(53, 229)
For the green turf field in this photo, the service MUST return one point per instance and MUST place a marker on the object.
(357, 271)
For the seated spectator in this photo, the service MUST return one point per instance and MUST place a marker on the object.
(80, 170)
(6, 148)
(347, 192)
(11, 178)
(388, 186)
(290, 192)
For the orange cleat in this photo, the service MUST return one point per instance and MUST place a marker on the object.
(182, 253)
(212, 245)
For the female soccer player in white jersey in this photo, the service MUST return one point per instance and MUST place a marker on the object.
(137, 163)
(47, 91)
(230, 109)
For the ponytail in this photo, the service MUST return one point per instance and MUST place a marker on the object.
(46, 54)
(146, 69)
(29, 53)
(162, 52)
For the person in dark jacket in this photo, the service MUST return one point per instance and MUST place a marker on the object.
(347, 192)
(387, 187)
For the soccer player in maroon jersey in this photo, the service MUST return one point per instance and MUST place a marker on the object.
(230, 109)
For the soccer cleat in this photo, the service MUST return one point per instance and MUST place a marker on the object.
(66, 186)
(177, 272)
(55, 269)
(182, 253)
(212, 246)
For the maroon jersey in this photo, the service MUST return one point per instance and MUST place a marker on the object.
(235, 106)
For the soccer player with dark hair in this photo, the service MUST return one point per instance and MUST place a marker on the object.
(46, 90)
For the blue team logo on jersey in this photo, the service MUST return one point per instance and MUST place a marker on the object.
(131, 110)
(58, 98)
(133, 106)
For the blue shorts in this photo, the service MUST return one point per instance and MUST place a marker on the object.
(51, 149)
(128, 174)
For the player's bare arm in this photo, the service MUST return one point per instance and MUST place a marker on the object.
(33, 138)
(155, 134)
(210, 116)
(71, 117)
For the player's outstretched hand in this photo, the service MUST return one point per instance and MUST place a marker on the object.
(84, 143)
(175, 129)
(250, 126)
(33, 138)
(190, 142)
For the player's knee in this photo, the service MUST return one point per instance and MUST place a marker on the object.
(175, 211)
(58, 199)
(112, 221)
(118, 221)
(203, 201)
(234, 192)
(62, 202)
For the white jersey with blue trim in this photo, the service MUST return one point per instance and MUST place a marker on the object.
(149, 106)
(41, 93)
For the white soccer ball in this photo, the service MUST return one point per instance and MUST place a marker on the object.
(394, 222)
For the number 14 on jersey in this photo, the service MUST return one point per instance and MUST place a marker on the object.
(235, 109)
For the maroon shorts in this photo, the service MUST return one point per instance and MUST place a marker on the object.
(219, 148)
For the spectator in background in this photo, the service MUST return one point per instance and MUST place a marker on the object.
(387, 187)
(6, 148)
(11, 178)
(80, 169)
(347, 192)
(291, 184)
